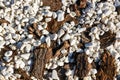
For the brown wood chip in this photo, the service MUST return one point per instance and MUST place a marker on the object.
(82, 65)
(54, 4)
(4, 21)
(107, 39)
(32, 29)
(107, 67)
(39, 62)
(23, 74)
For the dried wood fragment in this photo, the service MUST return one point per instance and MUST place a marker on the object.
(107, 39)
(107, 67)
(23, 74)
(4, 21)
(82, 65)
(33, 29)
(54, 4)
(81, 3)
(39, 62)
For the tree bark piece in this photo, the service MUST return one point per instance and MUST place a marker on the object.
(107, 39)
(107, 67)
(39, 62)
(82, 65)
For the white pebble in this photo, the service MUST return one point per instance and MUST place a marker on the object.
(53, 36)
(2, 43)
(48, 41)
(8, 53)
(60, 15)
(60, 63)
(61, 32)
(90, 60)
(66, 37)
(93, 71)
(55, 75)
(25, 56)
(68, 73)
(45, 32)
(28, 47)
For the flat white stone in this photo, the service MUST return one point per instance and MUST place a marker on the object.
(60, 15)
(45, 32)
(40, 27)
(61, 32)
(53, 36)
(68, 73)
(90, 60)
(54, 15)
(66, 37)
(25, 56)
(2, 43)
(55, 75)
(8, 53)
(93, 71)
(48, 41)
(60, 63)
(28, 47)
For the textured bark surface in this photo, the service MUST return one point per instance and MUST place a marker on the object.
(82, 65)
(33, 29)
(39, 62)
(107, 39)
(107, 68)
(54, 4)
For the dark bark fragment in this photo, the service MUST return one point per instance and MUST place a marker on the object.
(118, 9)
(54, 4)
(107, 39)
(33, 29)
(23, 74)
(82, 65)
(107, 67)
(39, 62)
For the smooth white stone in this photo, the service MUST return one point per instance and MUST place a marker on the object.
(89, 14)
(60, 15)
(82, 29)
(22, 64)
(68, 10)
(28, 47)
(72, 14)
(40, 27)
(8, 53)
(25, 56)
(61, 32)
(48, 41)
(45, 32)
(68, 73)
(53, 36)
(54, 15)
(90, 60)
(87, 78)
(60, 63)
(118, 25)
(66, 37)
(66, 60)
(30, 36)
(2, 43)
(2, 77)
(1, 38)
(54, 66)
(55, 75)
(87, 51)
(63, 51)
(49, 14)
(47, 19)
(1, 28)
(72, 42)
(93, 71)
